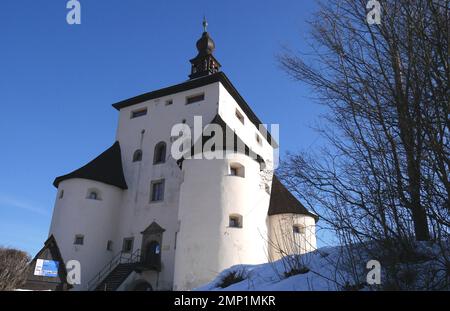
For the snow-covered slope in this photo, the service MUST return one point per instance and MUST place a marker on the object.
(271, 276)
(327, 269)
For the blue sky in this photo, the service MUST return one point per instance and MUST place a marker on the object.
(58, 81)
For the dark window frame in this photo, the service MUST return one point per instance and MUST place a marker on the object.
(127, 248)
(160, 153)
(137, 155)
(154, 196)
(235, 221)
(240, 116)
(138, 113)
(79, 239)
(109, 245)
(195, 98)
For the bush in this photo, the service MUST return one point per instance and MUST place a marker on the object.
(13, 268)
(232, 277)
(296, 271)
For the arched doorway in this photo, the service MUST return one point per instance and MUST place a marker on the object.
(151, 249)
(153, 255)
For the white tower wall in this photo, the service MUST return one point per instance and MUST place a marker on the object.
(96, 220)
(208, 196)
(283, 240)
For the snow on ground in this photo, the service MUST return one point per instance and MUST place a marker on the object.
(325, 269)
(270, 276)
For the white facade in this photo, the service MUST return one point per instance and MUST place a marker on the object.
(196, 241)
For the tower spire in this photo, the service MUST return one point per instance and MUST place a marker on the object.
(205, 24)
(204, 63)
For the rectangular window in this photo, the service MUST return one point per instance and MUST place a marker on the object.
(169, 102)
(195, 98)
(157, 191)
(79, 239)
(109, 245)
(138, 113)
(127, 246)
(239, 116)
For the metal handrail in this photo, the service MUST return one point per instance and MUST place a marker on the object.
(119, 258)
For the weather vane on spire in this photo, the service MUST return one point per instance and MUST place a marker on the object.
(205, 24)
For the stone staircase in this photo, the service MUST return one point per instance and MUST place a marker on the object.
(115, 272)
(116, 277)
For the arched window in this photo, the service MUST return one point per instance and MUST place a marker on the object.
(160, 153)
(93, 194)
(235, 221)
(137, 156)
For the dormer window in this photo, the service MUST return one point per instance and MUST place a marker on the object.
(195, 98)
(239, 116)
(138, 113)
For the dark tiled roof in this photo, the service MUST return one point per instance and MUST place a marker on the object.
(195, 83)
(106, 168)
(153, 228)
(283, 202)
(227, 145)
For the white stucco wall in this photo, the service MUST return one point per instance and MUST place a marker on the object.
(137, 212)
(97, 220)
(209, 195)
(282, 239)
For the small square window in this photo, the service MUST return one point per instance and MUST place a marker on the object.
(138, 113)
(299, 229)
(127, 246)
(239, 116)
(169, 102)
(235, 221)
(195, 98)
(79, 239)
(237, 169)
(157, 191)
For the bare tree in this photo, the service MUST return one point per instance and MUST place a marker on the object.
(384, 176)
(13, 268)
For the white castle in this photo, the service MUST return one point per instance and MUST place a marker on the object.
(136, 218)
